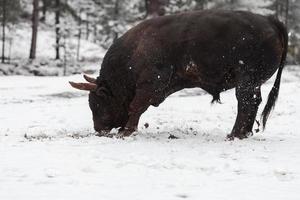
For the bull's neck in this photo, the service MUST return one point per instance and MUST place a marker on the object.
(122, 88)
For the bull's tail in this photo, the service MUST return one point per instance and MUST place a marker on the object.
(273, 95)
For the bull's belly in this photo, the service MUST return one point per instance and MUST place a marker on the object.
(211, 79)
(213, 88)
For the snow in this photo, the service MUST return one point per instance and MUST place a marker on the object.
(48, 149)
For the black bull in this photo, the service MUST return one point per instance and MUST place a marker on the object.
(214, 50)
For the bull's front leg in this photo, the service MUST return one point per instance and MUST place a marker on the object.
(249, 98)
(137, 107)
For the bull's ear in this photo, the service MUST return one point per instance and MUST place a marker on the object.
(84, 86)
(89, 79)
(102, 91)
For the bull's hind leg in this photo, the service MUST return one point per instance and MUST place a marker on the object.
(249, 98)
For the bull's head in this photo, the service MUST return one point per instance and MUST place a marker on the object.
(107, 111)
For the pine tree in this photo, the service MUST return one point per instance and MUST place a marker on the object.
(155, 8)
(47, 4)
(57, 28)
(35, 21)
(9, 12)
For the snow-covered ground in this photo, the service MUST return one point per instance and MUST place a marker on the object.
(48, 149)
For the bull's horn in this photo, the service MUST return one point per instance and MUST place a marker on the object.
(89, 79)
(84, 86)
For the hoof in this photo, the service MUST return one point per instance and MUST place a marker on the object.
(125, 133)
(105, 134)
(231, 137)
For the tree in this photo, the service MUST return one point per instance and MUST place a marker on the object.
(155, 8)
(63, 12)
(35, 21)
(201, 4)
(79, 36)
(57, 28)
(4, 4)
(110, 18)
(115, 16)
(288, 11)
(287, 8)
(9, 12)
(281, 9)
(46, 6)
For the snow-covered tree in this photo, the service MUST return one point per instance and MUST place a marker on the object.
(9, 14)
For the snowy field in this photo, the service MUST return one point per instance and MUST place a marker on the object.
(48, 149)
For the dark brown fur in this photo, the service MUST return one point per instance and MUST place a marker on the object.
(214, 50)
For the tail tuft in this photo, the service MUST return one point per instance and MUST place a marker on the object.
(273, 95)
(272, 98)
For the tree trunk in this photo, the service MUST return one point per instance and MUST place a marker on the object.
(232, 4)
(44, 10)
(116, 16)
(287, 6)
(277, 9)
(200, 4)
(57, 28)
(3, 30)
(79, 37)
(95, 33)
(65, 54)
(155, 8)
(35, 22)
(9, 52)
(87, 27)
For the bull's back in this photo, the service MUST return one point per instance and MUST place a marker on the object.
(207, 48)
(213, 40)
(199, 27)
